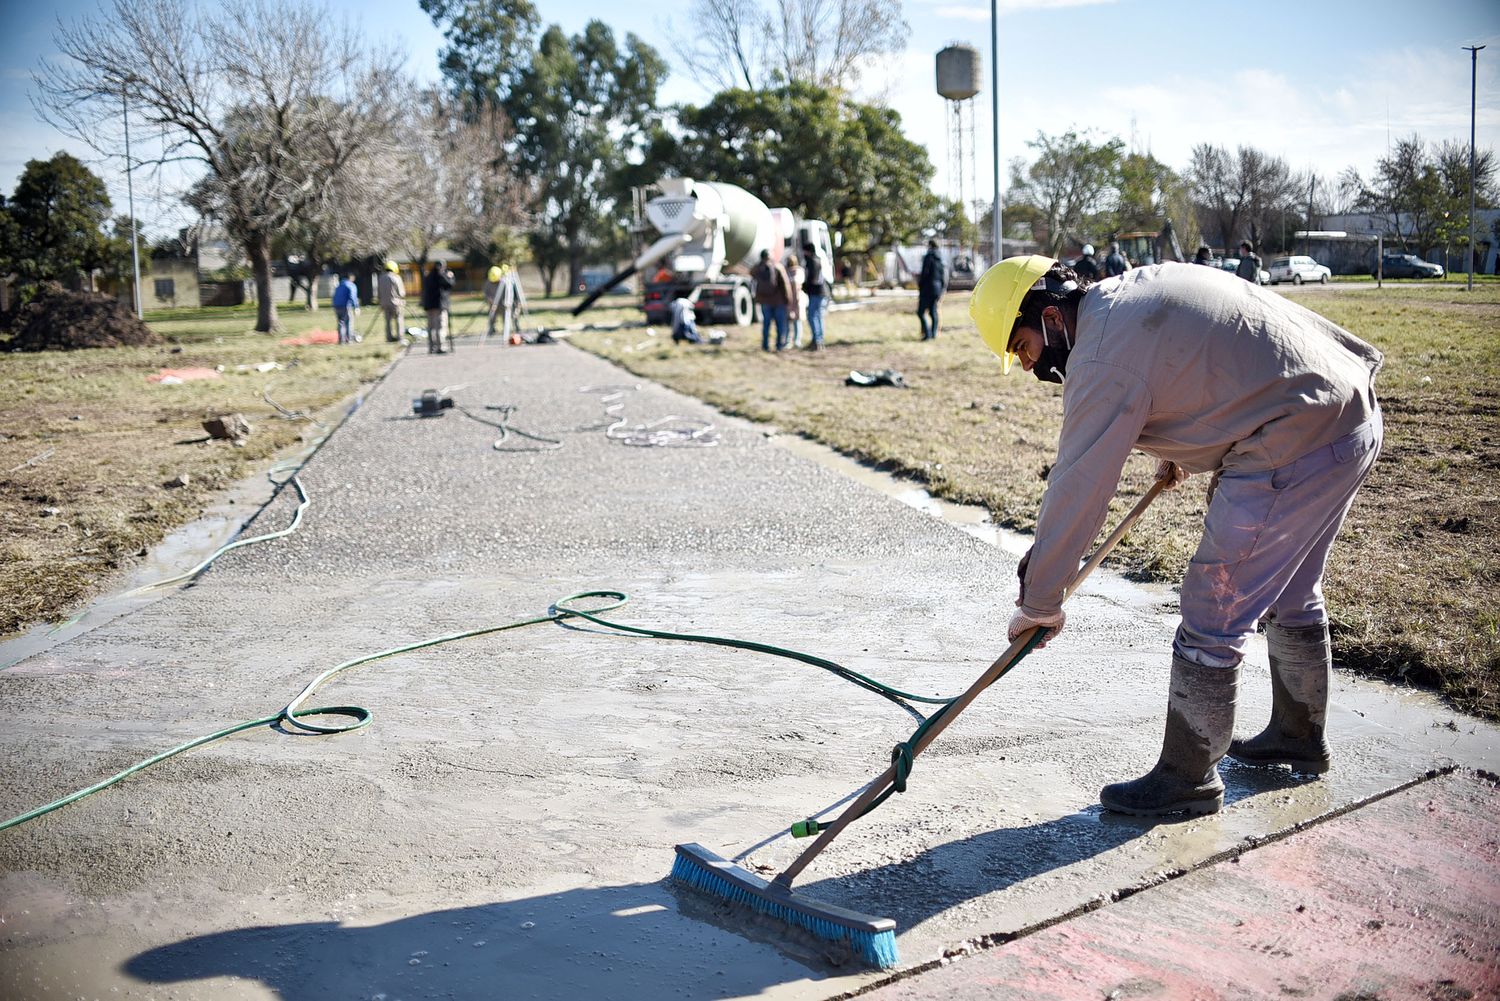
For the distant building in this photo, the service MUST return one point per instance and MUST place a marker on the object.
(1350, 257)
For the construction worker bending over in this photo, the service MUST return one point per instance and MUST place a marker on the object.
(1208, 374)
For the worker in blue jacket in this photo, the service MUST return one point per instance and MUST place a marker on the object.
(346, 307)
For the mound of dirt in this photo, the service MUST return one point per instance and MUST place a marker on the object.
(62, 320)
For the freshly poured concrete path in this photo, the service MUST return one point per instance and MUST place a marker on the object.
(503, 827)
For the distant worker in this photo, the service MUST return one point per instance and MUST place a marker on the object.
(345, 308)
(1204, 256)
(796, 305)
(391, 293)
(512, 303)
(931, 284)
(1087, 266)
(685, 318)
(492, 297)
(1205, 375)
(437, 288)
(772, 292)
(1249, 268)
(1115, 263)
(815, 284)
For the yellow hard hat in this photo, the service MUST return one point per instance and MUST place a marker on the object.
(392, 267)
(996, 302)
(494, 274)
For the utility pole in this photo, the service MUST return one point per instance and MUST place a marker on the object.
(1473, 80)
(135, 256)
(995, 124)
(1312, 181)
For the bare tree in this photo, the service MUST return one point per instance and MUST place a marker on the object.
(754, 44)
(1238, 195)
(273, 99)
(460, 188)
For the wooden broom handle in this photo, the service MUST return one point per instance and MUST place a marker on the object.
(999, 667)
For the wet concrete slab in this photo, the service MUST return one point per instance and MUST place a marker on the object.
(523, 789)
(1398, 899)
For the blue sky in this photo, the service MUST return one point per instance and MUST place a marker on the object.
(1326, 90)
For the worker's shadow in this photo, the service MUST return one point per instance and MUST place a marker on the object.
(945, 876)
(627, 942)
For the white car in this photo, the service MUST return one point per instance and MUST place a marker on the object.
(1298, 270)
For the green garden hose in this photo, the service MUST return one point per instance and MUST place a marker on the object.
(295, 716)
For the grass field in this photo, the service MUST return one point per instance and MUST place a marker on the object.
(1411, 584)
(88, 446)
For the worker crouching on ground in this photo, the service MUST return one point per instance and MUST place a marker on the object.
(1208, 374)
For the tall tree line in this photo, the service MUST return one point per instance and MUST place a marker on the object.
(1079, 188)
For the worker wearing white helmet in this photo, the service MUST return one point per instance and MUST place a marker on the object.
(1207, 374)
(1086, 266)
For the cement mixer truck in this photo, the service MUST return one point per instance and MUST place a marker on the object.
(711, 234)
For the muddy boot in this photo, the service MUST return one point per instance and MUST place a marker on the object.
(1301, 669)
(1200, 718)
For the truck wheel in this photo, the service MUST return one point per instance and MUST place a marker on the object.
(744, 306)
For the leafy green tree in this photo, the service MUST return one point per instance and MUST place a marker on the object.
(818, 153)
(584, 109)
(489, 45)
(117, 260)
(1151, 192)
(57, 217)
(1068, 187)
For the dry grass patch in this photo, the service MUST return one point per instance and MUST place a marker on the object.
(89, 445)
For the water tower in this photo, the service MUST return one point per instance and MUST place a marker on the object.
(957, 83)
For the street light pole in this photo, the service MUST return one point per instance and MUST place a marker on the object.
(1473, 81)
(135, 259)
(995, 124)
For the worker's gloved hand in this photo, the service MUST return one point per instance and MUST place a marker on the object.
(1171, 472)
(1022, 621)
(1021, 575)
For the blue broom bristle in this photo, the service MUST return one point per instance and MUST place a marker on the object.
(877, 949)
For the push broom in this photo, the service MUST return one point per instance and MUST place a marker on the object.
(870, 938)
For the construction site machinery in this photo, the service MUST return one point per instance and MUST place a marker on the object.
(710, 235)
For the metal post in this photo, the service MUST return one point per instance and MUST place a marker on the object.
(995, 123)
(1473, 81)
(1380, 260)
(135, 256)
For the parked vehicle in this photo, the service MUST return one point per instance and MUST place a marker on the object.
(1232, 265)
(1407, 266)
(1298, 270)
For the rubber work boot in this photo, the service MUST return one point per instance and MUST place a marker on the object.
(1200, 719)
(1301, 669)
